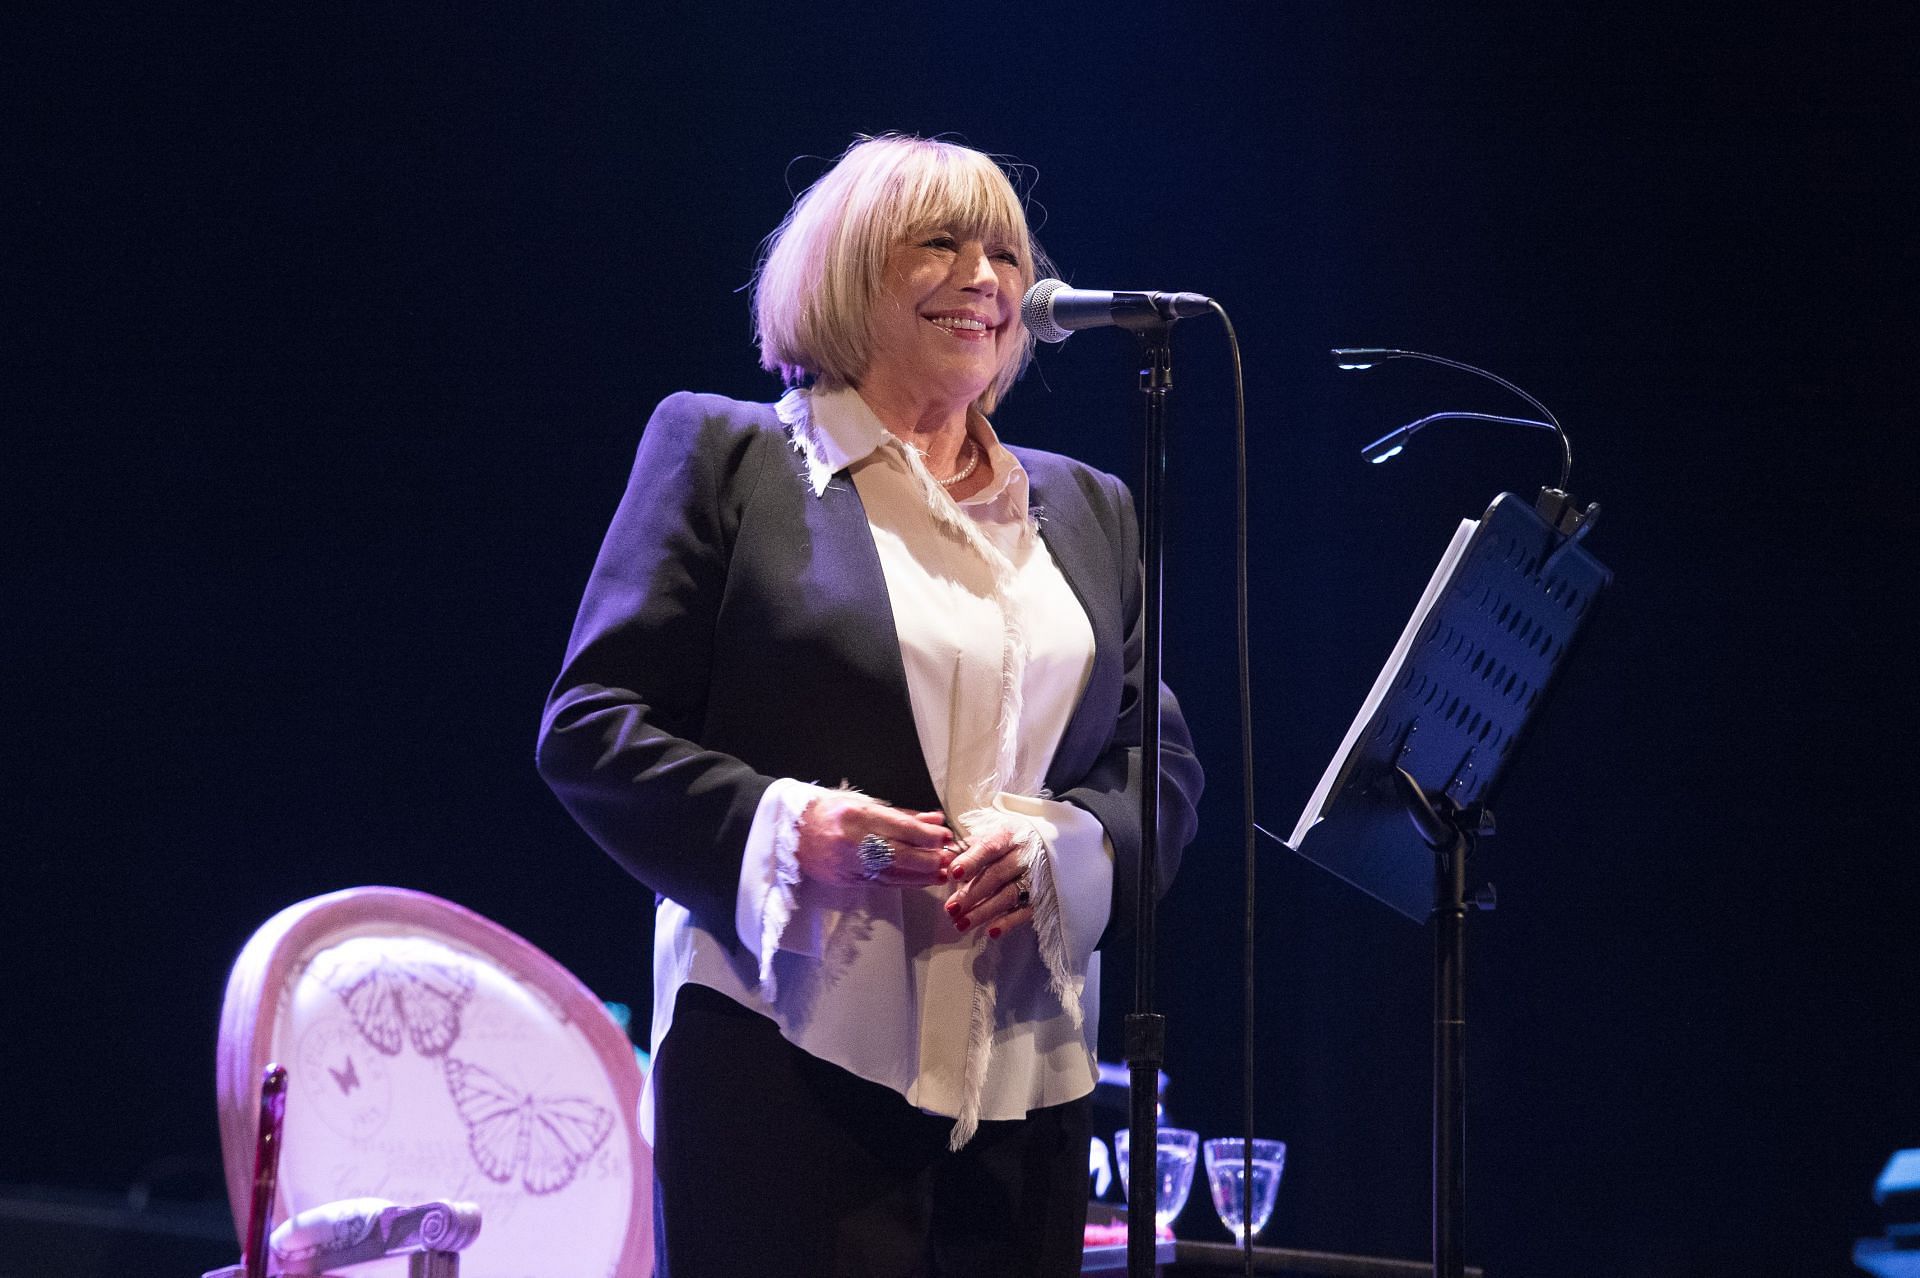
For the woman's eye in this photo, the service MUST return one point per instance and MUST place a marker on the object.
(943, 242)
(1008, 256)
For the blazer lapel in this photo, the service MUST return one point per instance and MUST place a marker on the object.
(843, 538)
(1074, 535)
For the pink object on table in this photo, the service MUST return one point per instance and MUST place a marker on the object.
(1114, 1234)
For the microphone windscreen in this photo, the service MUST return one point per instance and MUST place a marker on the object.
(1036, 311)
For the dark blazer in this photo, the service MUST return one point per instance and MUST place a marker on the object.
(737, 628)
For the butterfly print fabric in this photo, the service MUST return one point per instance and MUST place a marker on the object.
(543, 1140)
(416, 997)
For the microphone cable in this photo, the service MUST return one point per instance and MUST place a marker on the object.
(1243, 660)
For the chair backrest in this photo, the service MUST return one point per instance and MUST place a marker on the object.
(433, 1054)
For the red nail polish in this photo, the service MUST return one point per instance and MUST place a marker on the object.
(960, 924)
(993, 931)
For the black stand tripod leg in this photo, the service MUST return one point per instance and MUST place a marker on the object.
(1450, 1060)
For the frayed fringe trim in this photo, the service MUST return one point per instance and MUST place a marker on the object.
(1050, 933)
(1049, 925)
(793, 412)
(979, 1047)
(1050, 930)
(781, 902)
(948, 517)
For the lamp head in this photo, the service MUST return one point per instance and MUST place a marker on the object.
(1357, 359)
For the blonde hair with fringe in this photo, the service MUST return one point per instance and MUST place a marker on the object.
(823, 267)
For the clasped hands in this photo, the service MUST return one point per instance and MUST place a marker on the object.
(992, 890)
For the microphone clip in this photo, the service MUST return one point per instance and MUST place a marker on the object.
(1150, 312)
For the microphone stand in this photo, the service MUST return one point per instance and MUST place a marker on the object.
(1146, 1029)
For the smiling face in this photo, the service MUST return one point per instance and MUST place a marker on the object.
(905, 240)
(946, 321)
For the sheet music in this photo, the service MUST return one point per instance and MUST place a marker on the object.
(1442, 574)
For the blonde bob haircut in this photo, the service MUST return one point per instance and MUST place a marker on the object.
(823, 267)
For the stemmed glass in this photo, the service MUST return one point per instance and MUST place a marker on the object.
(1174, 1162)
(1227, 1178)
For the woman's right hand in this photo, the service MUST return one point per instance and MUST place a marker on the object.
(832, 826)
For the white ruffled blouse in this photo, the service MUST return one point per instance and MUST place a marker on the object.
(875, 979)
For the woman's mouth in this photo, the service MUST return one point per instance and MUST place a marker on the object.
(967, 328)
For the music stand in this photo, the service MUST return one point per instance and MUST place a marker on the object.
(1399, 809)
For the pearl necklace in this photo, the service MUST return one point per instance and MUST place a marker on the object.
(978, 453)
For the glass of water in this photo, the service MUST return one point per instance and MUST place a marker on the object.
(1227, 1178)
(1174, 1160)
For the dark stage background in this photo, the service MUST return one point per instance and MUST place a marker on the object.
(333, 328)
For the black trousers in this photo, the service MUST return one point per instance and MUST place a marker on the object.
(770, 1161)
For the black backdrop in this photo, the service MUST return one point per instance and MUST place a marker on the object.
(333, 329)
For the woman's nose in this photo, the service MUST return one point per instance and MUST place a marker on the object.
(976, 270)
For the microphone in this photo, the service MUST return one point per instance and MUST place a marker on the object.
(1053, 312)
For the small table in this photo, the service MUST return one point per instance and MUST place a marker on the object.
(1200, 1258)
(1112, 1259)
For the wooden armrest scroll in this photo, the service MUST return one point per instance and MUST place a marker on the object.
(353, 1230)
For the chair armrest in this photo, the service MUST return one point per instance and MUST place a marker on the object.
(354, 1230)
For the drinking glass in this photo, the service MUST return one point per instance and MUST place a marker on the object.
(1174, 1161)
(1227, 1176)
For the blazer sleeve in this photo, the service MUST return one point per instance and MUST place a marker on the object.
(619, 738)
(1111, 788)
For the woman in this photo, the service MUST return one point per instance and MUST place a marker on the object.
(866, 721)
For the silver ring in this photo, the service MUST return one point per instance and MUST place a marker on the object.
(876, 855)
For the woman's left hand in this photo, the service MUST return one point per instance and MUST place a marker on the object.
(994, 891)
